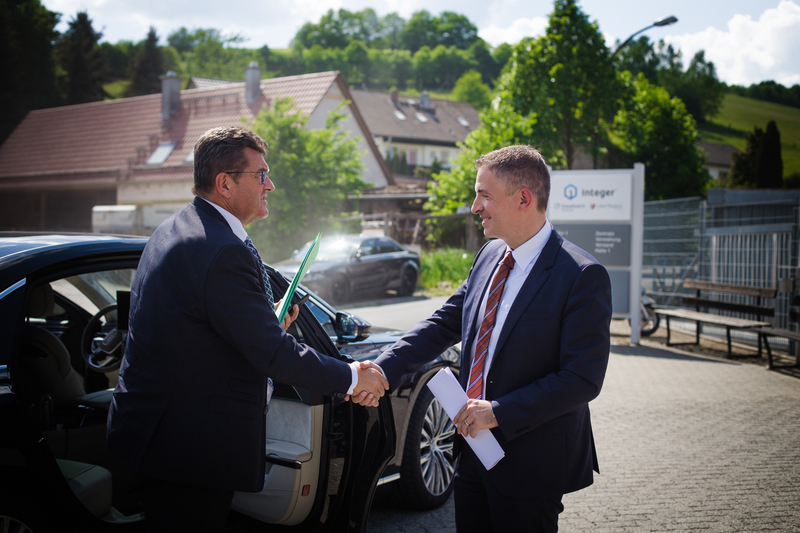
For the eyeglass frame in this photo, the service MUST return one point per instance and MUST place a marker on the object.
(264, 174)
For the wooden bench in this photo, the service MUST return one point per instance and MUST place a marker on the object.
(763, 335)
(704, 302)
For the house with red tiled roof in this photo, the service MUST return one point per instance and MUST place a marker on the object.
(60, 163)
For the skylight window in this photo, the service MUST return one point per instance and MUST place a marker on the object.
(421, 117)
(399, 114)
(161, 153)
(189, 157)
(463, 122)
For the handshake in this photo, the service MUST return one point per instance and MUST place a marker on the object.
(371, 386)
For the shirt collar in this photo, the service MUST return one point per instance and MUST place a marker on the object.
(233, 222)
(528, 251)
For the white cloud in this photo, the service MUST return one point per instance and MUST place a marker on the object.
(520, 28)
(750, 51)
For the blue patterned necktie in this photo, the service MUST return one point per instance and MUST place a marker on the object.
(268, 292)
(264, 275)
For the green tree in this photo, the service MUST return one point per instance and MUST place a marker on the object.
(146, 68)
(655, 129)
(566, 78)
(761, 164)
(27, 43)
(420, 31)
(456, 30)
(83, 61)
(501, 126)
(699, 88)
(469, 88)
(314, 172)
(119, 56)
(213, 55)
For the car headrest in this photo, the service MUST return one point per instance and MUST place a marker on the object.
(41, 302)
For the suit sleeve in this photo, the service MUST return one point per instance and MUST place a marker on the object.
(582, 359)
(239, 311)
(425, 341)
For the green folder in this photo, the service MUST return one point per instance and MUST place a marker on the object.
(311, 255)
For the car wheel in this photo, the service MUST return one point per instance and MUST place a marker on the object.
(428, 466)
(408, 282)
(340, 289)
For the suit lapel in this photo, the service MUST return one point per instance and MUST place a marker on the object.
(534, 282)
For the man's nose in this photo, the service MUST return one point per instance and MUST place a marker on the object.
(268, 185)
(475, 207)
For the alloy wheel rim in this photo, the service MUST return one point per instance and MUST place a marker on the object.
(436, 449)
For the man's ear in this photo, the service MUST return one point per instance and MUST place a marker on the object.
(222, 184)
(526, 198)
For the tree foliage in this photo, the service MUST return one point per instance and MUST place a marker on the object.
(698, 86)
(770, 91)
(471, 89)
(566, 78)
(761, 164)
(83, 61)
(27, 43)
(313, 170)
(147, 67)
(655, 129)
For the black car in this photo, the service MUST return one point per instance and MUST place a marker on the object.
(355, 264)
(63, 316)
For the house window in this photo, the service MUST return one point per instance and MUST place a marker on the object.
(399, 114)
(161, 153)
(412, 157)
(421, 117)
(445, 161)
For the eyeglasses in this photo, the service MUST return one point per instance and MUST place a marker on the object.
(264, 174)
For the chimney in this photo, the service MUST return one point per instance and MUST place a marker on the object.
(425, 101)
(170, 94)
(252, 76)
(394, 96)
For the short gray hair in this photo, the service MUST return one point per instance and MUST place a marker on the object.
(222, 150)
(519, 167)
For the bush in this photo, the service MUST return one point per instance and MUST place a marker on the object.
(449, 265)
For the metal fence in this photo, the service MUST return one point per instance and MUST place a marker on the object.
(752, 244)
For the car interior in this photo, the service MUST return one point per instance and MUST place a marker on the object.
(72, 343)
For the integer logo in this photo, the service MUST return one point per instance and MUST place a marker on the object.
(570, 191)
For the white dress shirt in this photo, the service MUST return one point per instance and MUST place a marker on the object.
(525, 257)
(238, 229)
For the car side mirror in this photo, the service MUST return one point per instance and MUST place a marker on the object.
(350, 328)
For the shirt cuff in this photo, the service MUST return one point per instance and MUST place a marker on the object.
(354, 380)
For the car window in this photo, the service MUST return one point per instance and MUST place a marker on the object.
(369, 247)
(322, 316)
(331, 250)
(388, 247)
(94, 290)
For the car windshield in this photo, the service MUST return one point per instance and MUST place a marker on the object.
(330, 250)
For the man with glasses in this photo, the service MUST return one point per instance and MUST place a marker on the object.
(188, 412)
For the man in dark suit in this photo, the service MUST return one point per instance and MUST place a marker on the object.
(533, 317)
(188, 411)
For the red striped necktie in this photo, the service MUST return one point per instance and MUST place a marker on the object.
(475, 385)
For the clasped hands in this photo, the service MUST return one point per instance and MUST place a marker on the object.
(474, 416)
(371, 386)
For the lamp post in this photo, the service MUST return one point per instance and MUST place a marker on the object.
(666, 21)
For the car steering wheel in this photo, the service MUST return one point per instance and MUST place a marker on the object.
(102, 352)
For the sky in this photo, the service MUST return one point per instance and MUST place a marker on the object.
(749, 41)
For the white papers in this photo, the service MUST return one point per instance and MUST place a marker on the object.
(452, 398)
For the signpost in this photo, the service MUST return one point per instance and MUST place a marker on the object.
(602, 211)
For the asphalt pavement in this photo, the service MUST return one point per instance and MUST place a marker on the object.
(687, 441)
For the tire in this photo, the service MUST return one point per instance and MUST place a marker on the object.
(340, 290)
(428, 466)
(649, 321)
(408, 282)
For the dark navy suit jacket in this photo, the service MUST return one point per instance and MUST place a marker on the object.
(190, 402)
(550, 361)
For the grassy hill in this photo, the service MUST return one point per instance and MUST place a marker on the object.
(737, 117)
